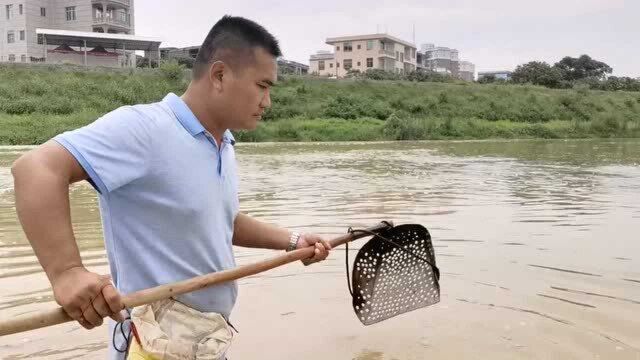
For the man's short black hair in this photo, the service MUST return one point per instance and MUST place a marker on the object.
(232, 40)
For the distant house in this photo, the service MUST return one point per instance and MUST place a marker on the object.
(82, 32)
(364, 52)
(467, 71)
(284, 66)
(504, 75)
(322, 63)
(446, 61)
(167, 53)
(292, 67)
(440, 59)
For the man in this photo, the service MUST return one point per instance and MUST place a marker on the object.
(167, 184)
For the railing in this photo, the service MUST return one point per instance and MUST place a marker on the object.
(111, 20)
(387, 52)
(123, 2)
(322, 57)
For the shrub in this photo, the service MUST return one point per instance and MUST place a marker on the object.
(172, 70)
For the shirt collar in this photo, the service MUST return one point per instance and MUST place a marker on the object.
(188, 120)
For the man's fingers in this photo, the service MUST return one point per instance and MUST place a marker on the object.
(323, 250)
(113, 301)
(85, 324)
(92, 316)
(101, 307)
(76, 314)
(320, 252)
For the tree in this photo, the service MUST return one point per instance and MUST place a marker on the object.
(538, 73)
(614, 83)
(582, 68)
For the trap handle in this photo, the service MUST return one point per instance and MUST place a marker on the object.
(58, 316)
(384, 225)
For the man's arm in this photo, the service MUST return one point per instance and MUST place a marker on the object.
(41, 183)
(249, 232)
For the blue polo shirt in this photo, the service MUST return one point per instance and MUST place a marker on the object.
(168, 197)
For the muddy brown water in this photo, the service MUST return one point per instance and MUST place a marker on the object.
(538, 243)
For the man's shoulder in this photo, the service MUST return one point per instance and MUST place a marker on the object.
(156, 112)
(152, 116)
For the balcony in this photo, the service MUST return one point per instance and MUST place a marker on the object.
(387, 53)
(322, 57)
(126, 3)
(124, 21)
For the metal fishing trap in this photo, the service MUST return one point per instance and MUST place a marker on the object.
(393, 273)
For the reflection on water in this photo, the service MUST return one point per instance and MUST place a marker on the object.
(545, 228)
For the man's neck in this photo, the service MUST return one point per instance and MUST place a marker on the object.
(209, 121)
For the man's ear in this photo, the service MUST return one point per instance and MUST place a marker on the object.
(216, 73)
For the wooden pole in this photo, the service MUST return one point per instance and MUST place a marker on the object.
(142, 297)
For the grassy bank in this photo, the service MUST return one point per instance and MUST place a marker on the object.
(37, 103)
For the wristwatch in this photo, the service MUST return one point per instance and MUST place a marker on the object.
(293, 240)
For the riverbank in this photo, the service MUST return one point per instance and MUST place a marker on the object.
(36, 103)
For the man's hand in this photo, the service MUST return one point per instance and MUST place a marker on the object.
(322, 247)
(87, 297)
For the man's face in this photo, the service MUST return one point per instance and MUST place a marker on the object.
(247, 91)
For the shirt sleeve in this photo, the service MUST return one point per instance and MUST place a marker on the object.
(114, 150)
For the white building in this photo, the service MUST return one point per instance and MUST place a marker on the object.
(26, 25)
(364, 52)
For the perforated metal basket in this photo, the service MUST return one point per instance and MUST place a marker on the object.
(395, 272)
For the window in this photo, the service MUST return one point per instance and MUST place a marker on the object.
(331, 65)
(359, 47)
(20, 9)
(9, 9)
(401, 57)
(369, 62)
(369, 44)
(337, 64)
(337, 48)
(71, 13)
(397, 55)
(347, 46)
(11, 37)
(43, 11)
(121, 16)
(23, 58)
(321, 65)
(40, 39)
(358, 63)
(12, 57)
(21, 35)
(347, 64)
(413, 53)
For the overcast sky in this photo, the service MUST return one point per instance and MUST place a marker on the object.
(493, 34)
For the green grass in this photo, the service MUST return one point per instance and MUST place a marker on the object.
(38, 102)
